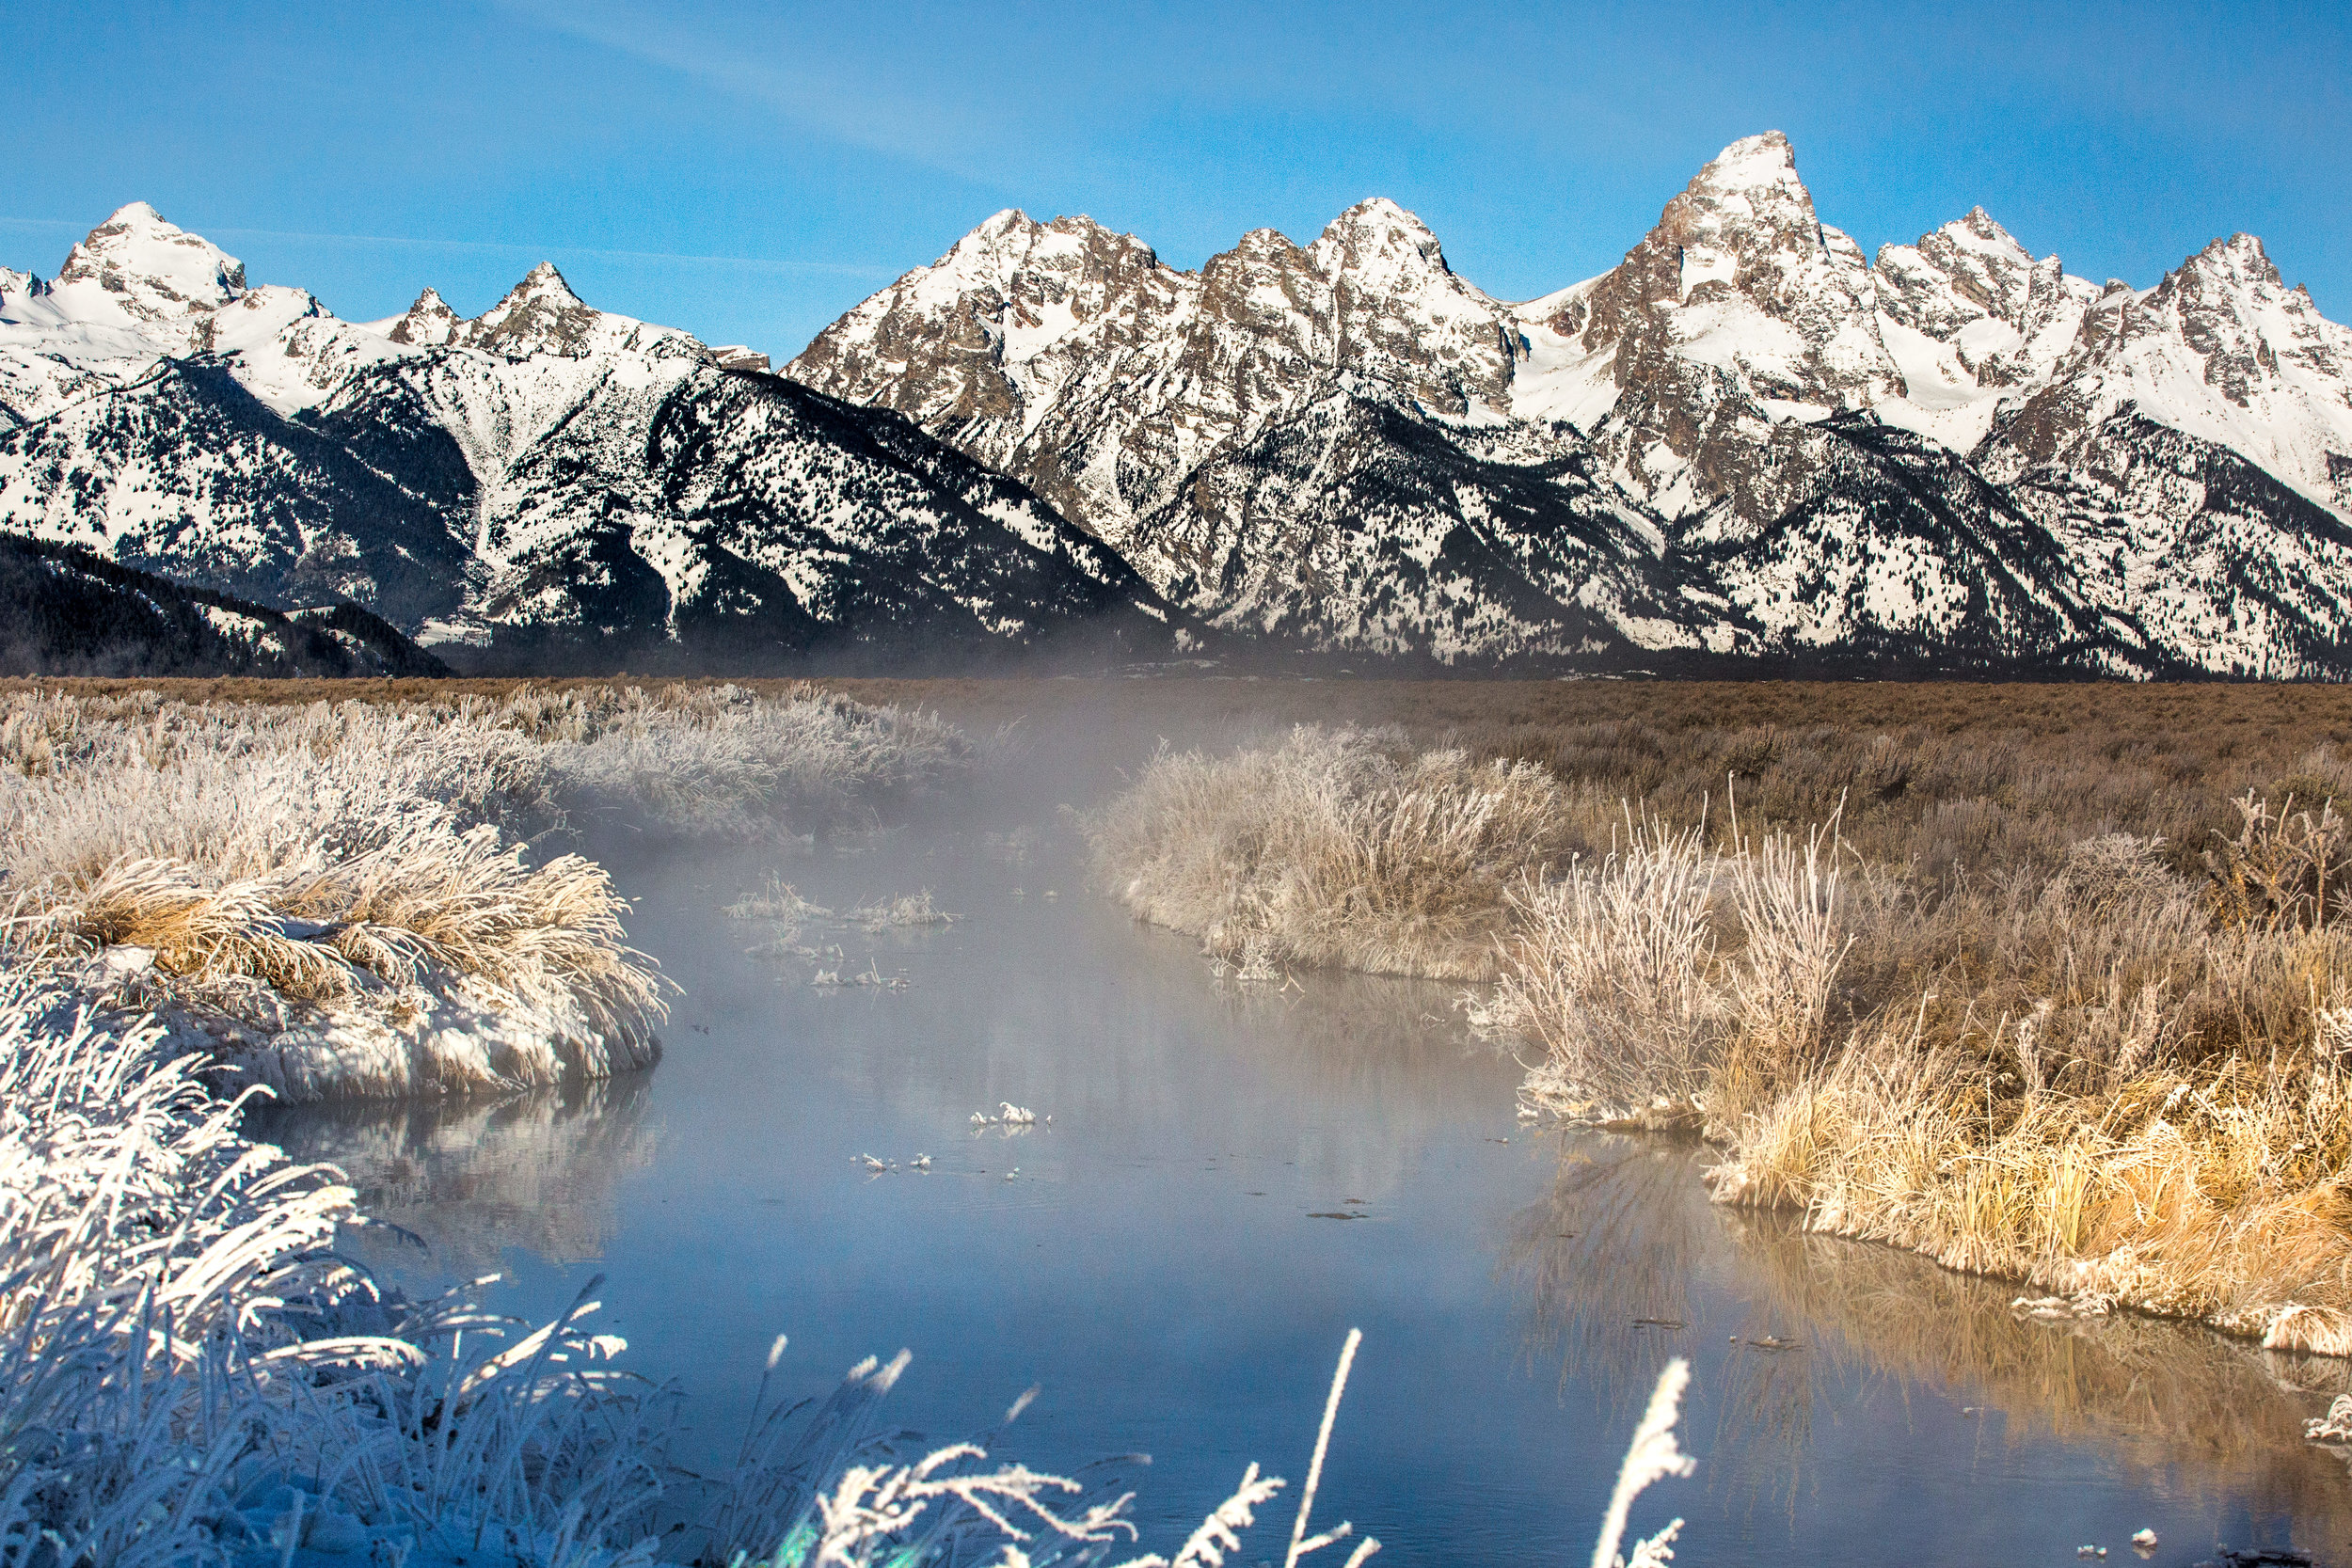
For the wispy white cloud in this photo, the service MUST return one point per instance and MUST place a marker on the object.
(841, 99)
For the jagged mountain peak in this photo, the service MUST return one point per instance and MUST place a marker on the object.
(1981, 225)
(152, 269)
(1748, 197)
(2220, 349)
(1380, 214)
(1376, 234)
(542, 282)
(1967, 268)
(2239, 258)
(1761, 170)
(539, 315)
(1011, 254)
(427, 324)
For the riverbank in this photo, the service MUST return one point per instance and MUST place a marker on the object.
(2056, 1007)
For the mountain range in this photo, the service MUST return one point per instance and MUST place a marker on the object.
(1747, 446)
(548, 483)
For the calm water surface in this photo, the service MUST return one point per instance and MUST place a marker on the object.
(1154, 1258)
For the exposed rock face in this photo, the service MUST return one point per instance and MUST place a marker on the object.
(429, 323)
(545, 472)
(1739, 310)
(1076, 361)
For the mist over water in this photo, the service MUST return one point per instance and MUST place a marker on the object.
(1159, 1258)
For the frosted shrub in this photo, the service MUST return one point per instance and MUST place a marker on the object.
(1334, 848)
(725, 760)
(1793, 937)
(314, 895)
(1612, 971)
(336, 899)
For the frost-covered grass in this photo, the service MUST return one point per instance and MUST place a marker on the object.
(339, 899)
(1342, 847)
(190, 1374)
(316, 895)
(725, 760)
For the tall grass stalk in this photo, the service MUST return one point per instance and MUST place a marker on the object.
(1611, 970)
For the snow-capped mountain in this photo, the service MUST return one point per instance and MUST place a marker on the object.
(1745, 440)
(543, 474)
(1746, 437)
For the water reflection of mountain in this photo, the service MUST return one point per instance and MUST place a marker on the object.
(471, 1177)
(1625, 1241)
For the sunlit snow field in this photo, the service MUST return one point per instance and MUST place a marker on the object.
(1161, 1259)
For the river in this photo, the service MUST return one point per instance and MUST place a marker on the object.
(1233, 1175)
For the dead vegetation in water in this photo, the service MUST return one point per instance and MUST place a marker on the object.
(2102, 1080)
(1610, 1260)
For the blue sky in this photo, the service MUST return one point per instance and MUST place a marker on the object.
(749, 171)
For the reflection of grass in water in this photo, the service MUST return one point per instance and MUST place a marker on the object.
(473, 1177)
(1609, 1255)
(1626, 1228)
(1367, 1027)
(2194, 1409)
(1614, 1242)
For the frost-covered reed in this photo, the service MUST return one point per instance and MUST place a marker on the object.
(2102, 1081)
(1342, 848)
(1669, 970)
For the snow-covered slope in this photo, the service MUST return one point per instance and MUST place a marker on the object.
(542, 474)
(2221, 349)
(1746, 437)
